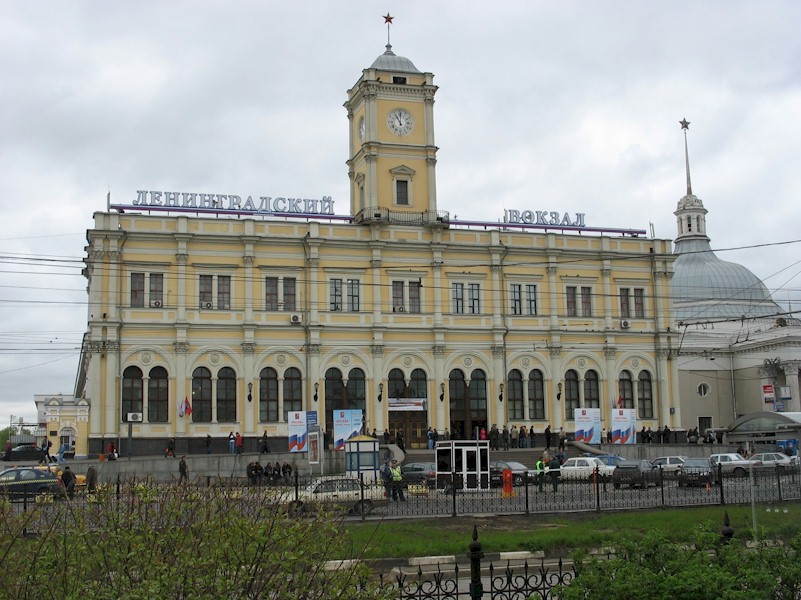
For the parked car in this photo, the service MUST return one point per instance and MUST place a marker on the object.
(731, 462)
(338, 493)
(775, 460)
(635, 473)
(521, 474)
(583, 467)
(19, 482)
(26, 452)
(669, 464)
(697, 471)
(608, 459)
(416, 473)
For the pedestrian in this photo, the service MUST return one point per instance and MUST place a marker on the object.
(386, 436)
(522, 441)
(231, 442)
(446, 435)
(61, 450)
(286, 471)
(514, 437)
(170, 451)
(399, 441)
(91, 479)
(609, 436)
(239, 442)
(111, 454)
(208, 443)
(494, 437)
(183, 470)
(539, 470)
(264, 446)
(430, 436)
(374, 434)
(532, 437)
(397, 482)
(68, 479)
(548, 437)
(386, 479)
(44, 459)
(562, 438)
(666, 434)
(554, 472)
(603, 435)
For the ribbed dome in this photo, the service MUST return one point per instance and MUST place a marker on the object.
(706, 287)
(389, 61)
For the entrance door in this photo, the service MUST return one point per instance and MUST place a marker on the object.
(468, 404)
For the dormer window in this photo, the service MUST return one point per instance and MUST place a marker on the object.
(401, 80)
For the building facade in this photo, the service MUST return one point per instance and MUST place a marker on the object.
(200, 325)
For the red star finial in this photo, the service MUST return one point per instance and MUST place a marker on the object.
(685, 124)
(388, 18)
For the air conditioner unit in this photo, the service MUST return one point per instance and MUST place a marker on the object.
(296, 319)
(401, 309)
(624, 324)
(207, 305)
(134, 417)
(156, 304)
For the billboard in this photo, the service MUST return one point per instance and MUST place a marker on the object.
(624, 426)
(347, 424)
(588, 425)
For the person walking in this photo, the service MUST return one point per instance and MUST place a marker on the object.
(208, 443)
(91, 479)
(183, 470)
(562, 438)
(505, 437)
(548, 437)
(554, 472)
(264, 446)
(239, 443)
(68, 479)
(430, 436)
(231, 442)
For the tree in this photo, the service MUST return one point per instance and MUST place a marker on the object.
(656, 568)
(176, 543)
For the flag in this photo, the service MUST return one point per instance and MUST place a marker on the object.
(187, 407)
(181, 407)
(620, 402)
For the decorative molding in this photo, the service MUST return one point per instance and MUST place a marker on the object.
(377, 350)
(551, 270)
(313, 262)
(248, 347)
(555, 351)
(438, 351)
(181, 347)
(610, 352)
(181, 258)
(606, 273)
(497, 351)
(313, 349)
(248, 259)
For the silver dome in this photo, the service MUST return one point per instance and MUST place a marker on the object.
(389, 61)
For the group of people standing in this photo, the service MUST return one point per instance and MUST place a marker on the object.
(271, 473)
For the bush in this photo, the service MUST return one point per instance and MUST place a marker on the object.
(184, 544)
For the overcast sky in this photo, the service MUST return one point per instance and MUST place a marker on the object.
(543, 105)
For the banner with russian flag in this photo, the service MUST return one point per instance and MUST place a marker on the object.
(588, 425)
(624, 426)
(347, 424)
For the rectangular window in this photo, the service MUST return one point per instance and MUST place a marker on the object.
(475, 298)
(402, 192)
(531, 299)
(156, 290)
(397, 296)
(457, 293)
(639, 303)
(572, 310)
(335, 295)
(414, 296)
(353, 295)
(625, 308)
(290, 293)
(271, 293)
(586, 302)
(206, 294)
(516, 298)
(224, 292)
(137, 290)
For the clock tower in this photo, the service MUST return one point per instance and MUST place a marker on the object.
(393, 160)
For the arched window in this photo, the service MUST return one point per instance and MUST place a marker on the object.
(478, 394)
(645, 396)
(131, 391)
(293, 391)
(357, 392)
(571, 395)
(201, 395)
(226, 395)
(536, 395)
(158, 395)
(418, 385)
(396, 384)
(592, 397)
(626, 390)
(268, 395)
(514, 394)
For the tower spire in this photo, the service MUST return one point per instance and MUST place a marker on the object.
(388, 20)
(685, 126)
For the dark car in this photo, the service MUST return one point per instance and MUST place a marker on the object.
(26, 452)
(521, 474)
(31, 481)
(416, 473)
(697, 471)
(635, 473)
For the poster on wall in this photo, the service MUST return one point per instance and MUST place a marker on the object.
(588, 425)
(347, 424)
(298, 433)
(314, 448)
(624, 426)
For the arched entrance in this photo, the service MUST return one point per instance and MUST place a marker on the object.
(468, 403)
(408, 407)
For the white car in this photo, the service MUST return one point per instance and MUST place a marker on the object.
(775, 460)
(669, 464)
(731, 462)
(583, 467)
(346, 493)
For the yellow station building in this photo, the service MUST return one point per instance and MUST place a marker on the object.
(246, 309)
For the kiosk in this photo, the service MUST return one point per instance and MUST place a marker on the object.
(361, 456)
(463, 464)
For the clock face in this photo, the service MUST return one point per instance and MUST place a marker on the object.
(400, 121)
(362, 129)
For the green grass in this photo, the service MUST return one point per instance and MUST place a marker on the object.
(560, 534)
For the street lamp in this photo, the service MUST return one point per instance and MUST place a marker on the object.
(316, 387)
(380, 392)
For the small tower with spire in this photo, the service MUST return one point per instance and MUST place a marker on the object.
(690, 212)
